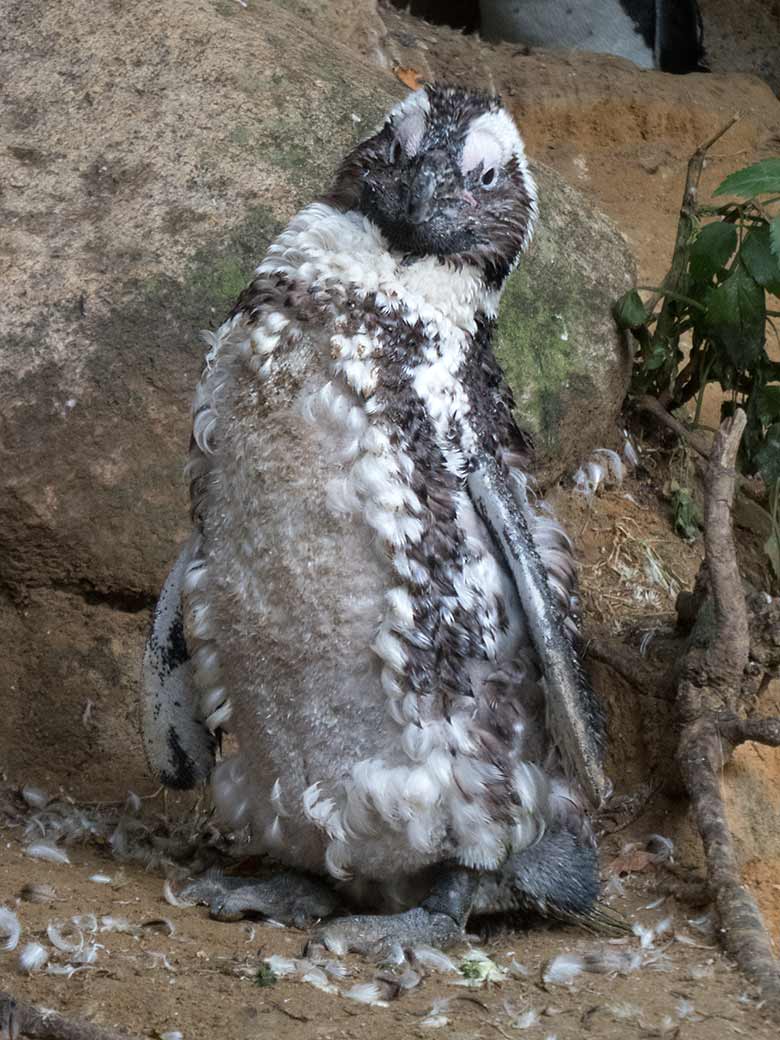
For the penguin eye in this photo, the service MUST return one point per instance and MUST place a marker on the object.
(488, 178)
(395, 151)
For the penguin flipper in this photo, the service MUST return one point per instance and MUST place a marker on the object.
(179, 747)
(568, 699)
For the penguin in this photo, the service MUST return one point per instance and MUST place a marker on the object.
(654, 34)
(372, 603)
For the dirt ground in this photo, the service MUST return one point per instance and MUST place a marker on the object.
(625, 145)
(174, 969)
(201, 980)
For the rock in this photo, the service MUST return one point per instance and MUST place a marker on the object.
(567, 364)
(139, 192)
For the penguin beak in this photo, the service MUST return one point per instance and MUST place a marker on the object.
(421, 193)
(433, 179)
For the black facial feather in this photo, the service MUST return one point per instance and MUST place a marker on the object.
(425, 205)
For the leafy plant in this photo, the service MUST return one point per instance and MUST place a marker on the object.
(686, 515)
(716, 291)
(265, 975)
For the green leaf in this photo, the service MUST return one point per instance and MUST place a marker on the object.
(758, 179)
(774, 236)
(712, 249)
(629, 311)
(768, 455)
(772, 549)
(757, 255)
(686, 514)
(736, 317)
(768, 404)
(265, 975)
(657, 358)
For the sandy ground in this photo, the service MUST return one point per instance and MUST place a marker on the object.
(175, 969)
(625, 145)
(201, 979)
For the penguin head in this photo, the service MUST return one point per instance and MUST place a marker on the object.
(445, 176)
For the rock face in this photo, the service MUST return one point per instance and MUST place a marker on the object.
(140, 191)
(556, 339)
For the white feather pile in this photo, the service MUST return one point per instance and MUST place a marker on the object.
(527, 1020)
(686, 1010)
(610, 961)
(172, 899)
(10, 928)
(100, 879)
(67, 970)
(648, 936)
(172, 1034)
(698, 972)
(436, 1019)
(336, 969)
(282, 966)
(409, 979)
(160, 960)
(88, 955)
(35, 797)
(518, 970)
(133, 803)
(62, 937)
(433, 960)
(112, 923)
(32, 956)
(395, 955)
(630, 453)
(605, 468)
(563, 969)
(316, 977)
(46, 850)
(86, 922)
(367, 993)
(34, 893)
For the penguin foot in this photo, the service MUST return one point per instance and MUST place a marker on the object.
(440, 921)
(292, 899)
(375, 935)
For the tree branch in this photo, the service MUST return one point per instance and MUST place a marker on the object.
(19, 1019)
(707, 696)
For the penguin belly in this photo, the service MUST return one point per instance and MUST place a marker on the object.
(325, 778)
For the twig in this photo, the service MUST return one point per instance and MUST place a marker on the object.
(707, 698)
(685, 229)
(286, 1011)
(653, 407)
(19, 1019)
(631, 667)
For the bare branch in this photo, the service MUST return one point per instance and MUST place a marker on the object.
(728, 654)
(761, 731)
(707, 694)
(19, 1019)
(631, 667)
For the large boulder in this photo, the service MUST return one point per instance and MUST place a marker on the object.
(150, 153)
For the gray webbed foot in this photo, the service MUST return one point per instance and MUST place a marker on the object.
(288, 898)
(440, 921)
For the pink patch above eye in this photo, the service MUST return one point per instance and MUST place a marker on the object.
(481, 147)
(410, 131)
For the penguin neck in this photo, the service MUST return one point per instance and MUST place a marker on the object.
(329, 250)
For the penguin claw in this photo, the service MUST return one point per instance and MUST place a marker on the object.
(289, 898)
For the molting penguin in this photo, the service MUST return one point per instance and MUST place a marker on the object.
(369, 601)
(654, 34)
